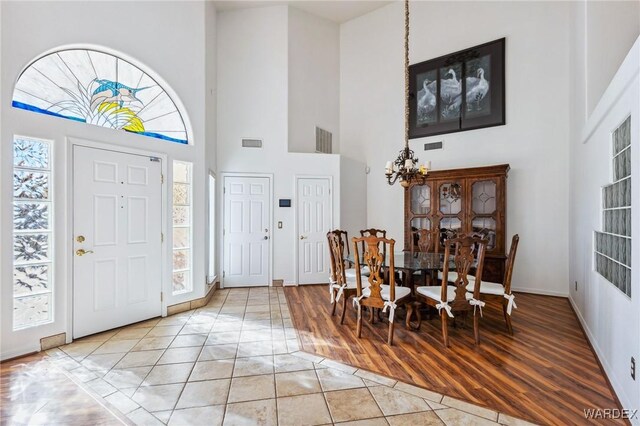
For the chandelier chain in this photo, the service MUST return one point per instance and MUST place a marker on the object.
(406, 73)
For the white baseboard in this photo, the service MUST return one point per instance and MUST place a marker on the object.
(619, 390)
(19, 352)
(540, 291)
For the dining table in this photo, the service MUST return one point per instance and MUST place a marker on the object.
(427, 264)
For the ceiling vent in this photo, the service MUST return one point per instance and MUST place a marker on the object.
(323, 141)
(252, 143)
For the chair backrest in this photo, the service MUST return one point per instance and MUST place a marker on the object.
(467, 250)
(425, 240)
(336, 256)
(510, 261)
(373, 232)
(373, 256)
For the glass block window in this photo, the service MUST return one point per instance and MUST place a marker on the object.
(182, 229)
(32, 233)
(613, 243)
(101, 89)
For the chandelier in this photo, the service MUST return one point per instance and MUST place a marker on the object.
(406, 168)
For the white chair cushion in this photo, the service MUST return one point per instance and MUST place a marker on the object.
(433, 292)
(351, 272)
(487, 287)
(400, 292)
(453, 275)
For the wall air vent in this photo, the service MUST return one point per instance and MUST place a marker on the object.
(323, 141)
(432, 146)
(252, 143)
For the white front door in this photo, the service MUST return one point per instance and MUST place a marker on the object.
(246, 231)
(314, 221)
(117, 221)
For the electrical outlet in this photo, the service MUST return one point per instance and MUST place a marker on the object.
(633, 368)
(576, 285)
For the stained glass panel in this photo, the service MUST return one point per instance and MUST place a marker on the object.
(181, 281)
(31, 310)
(31, 279)
(181, 237)
(30, 185)
(100, 89)
(30, 248)
(181, 172)
(181, 259)
(30, 216)
(180, 215)
(31, 154)
(181, 194)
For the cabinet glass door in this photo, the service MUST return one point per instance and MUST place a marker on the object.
(450, 208)
(484, 199)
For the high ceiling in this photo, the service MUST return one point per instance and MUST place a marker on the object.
(335, 10)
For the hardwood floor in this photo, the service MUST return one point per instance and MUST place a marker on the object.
(546, 372)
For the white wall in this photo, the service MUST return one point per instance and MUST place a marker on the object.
(177, 56)
(534, 141)
(353, 196)
(610, 29)
(602, 35)
(314, 80)
(253, 102)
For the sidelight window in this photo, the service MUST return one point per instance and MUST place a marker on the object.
(32, 233)
(182, 227)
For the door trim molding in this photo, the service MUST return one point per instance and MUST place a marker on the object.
(224, 176)
(71, 143)
(296, 242)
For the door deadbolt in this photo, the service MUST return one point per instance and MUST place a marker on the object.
(80, 238)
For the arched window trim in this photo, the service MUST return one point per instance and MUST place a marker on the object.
(155, 77)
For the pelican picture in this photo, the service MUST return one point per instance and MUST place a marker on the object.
(460, 91)
(426, 99)
(478, 96)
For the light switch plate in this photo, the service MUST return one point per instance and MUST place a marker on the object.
(280, 225)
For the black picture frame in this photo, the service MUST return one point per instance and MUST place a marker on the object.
(461, 91)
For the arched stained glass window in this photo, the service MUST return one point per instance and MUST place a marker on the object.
(101, 89)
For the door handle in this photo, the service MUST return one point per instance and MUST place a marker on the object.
(82, 252)
(302, 237)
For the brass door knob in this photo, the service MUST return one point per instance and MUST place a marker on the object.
(82, 252)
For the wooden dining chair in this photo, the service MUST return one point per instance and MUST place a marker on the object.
(453, 296)
(378, 294)
(501, 293)
(423, 241)
(340, 285)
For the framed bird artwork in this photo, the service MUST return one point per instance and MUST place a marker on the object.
(461, 91)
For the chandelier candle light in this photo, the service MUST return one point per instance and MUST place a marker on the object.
(406, 168)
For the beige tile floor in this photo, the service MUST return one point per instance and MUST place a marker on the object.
(237, 361)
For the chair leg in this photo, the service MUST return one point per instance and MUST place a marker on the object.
(344, 309)
(371, 315)
(476, 327)
(407, 323)
(333, 309)
(359, 324)
(390, 338)
(445, 332)
(507, 319)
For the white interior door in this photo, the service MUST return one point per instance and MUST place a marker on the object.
(246, 231)
(117, 220)
(314, 220)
